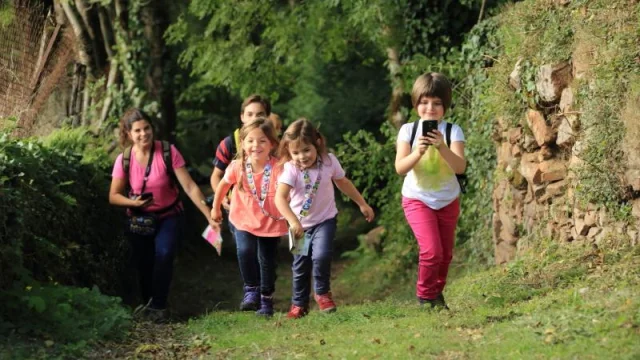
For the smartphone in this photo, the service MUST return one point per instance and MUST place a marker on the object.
(146, 196)
(428, 126)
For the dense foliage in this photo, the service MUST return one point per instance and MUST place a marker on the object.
(56, 227)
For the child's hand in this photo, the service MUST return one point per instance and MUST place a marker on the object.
(216, 214)
(297, 229)
(435, 138)
(367, 211)
(423, 144)
(215, 225)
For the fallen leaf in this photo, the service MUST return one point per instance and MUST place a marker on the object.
(49, 343)
(549, 339)
(417, 335)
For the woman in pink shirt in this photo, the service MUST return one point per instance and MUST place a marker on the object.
(258, 223)
(144, 184)
(305, 197)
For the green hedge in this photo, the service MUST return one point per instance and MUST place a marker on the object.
(56, 225)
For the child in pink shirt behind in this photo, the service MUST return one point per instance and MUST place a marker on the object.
(305, 197)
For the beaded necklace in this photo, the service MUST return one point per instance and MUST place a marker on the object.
(266, 178)
(310, 191)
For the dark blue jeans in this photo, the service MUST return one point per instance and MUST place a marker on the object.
(262, 274)
(317, 262)
(153, 258)
(245, 254)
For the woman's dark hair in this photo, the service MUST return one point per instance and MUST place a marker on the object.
(126, 122)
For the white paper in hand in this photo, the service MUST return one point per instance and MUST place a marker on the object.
(214, 238)
(298, 246)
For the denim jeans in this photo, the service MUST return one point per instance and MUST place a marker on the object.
(318, 261)
(153, 258)
(262, 274)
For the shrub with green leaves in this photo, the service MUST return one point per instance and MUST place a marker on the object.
(63, 313)
(56, 223)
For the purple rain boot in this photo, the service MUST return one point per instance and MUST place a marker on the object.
(266, 306)
(251, 300)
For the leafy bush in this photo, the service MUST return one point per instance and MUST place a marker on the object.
(56, 223)
(63, 313)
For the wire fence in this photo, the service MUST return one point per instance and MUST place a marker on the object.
(34, 56)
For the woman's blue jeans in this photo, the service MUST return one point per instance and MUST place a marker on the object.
(153, 258)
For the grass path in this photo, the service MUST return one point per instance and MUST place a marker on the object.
(565, 303)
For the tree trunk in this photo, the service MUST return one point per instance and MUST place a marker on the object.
(86, 101)
(107, 31)
(155, 23)
(111, 81)
(85, 50)
(89, 22)
(397, 116)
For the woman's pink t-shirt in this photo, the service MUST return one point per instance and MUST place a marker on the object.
(159, 183)
(245, 213)
(323, 206)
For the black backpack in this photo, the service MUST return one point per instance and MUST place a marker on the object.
(462, 178)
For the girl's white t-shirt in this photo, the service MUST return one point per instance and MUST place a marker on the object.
(431, 180)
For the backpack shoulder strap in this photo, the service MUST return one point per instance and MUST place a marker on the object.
(168, 162)
(236, 142)
(126, 160)
(166, 156)
(448, 134)
(414, 130)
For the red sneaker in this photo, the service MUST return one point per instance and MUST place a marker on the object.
(325, 302)
(296, 312)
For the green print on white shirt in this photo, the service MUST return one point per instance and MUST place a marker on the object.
(432, 172)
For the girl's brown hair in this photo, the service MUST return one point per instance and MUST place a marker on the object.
(432, 85)
(266, 126)
(126, 122)
(302, 131)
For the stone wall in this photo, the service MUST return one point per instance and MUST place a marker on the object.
(536, 162)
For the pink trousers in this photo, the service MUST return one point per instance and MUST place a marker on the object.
(435, 231)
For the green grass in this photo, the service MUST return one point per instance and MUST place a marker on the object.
(567, 302)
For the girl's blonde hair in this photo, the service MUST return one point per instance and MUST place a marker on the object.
(302, 131)
(266, 126)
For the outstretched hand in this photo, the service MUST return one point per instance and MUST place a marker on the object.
(216, 215)
(367, 211)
